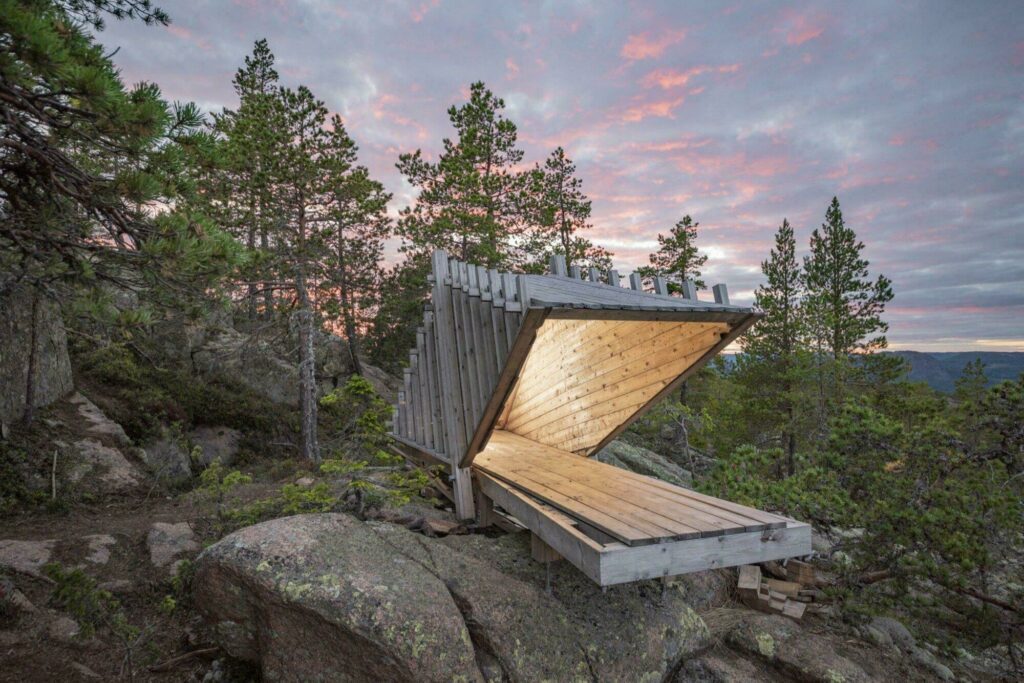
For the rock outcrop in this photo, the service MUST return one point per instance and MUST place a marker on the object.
(52, 377)
(644, 461)
(327, 597)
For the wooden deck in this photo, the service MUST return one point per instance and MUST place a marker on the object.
(619, 526)
(629, 507)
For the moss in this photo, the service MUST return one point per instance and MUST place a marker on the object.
(765, 644)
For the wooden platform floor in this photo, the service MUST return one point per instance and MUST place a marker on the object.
(630, 508)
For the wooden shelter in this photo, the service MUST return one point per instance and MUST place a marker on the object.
(517, 379)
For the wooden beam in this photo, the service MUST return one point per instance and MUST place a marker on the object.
(721, 294)
(690, 290)
(636, 282)
(708, 315)
(557, 265)
(594, 275)
(613, 278)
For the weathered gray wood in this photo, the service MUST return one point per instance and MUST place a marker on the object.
(557, 265)
(689, 290)
(554, 527)
(613, 277)
(433, 391)
(444, 326)
(636, 282)
(479, 360)
(408, 428)
(399, 425)
(416, 404)
(426, 418)
(660, 285)
(575, 272)
(721, 294)
(498, 317)
(508, 287)
(594, 274)
(622, 564)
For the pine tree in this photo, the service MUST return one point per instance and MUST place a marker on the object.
(773, 349)
(562, 213)
(301, 184)
(471, 200)
(357, 215)
(844, 307)
(677, 258)
(252, 137)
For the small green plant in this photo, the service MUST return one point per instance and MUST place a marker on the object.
(216, 482)
(317, 498)
(93, 608)
(168, 605)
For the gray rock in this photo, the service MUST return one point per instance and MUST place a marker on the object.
(330, 598)
(85, 672)
(63, 629)
(384, 384)
(782, 643)
(96, 423)
(27, 557)
(99, 548)
(216, 443)
(167, 541)
(643, 461)
(876, 636)
(169, 461)
(927, 660)
(236, 357)
(101, 469)
(898, 634)
(52, 365)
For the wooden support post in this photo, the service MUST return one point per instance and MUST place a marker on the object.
(636, 282)
(557, 265)
(594, 274)
(721, 294)
(661, 286)
(690, 290)
(541, 551)
(485, 515)
(613, 277)
(575, 272)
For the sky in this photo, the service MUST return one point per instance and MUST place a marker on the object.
(912, 113)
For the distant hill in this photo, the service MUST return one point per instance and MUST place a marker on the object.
(940, 370)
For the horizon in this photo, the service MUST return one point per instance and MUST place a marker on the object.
(739, 117)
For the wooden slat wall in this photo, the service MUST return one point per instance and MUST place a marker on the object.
(468, 331)
(585, 377)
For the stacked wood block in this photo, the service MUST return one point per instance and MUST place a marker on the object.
(776, 596)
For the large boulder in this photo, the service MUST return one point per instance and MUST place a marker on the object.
(230, 355)
(52, 376)
(644, 461)
(327, 597)
(95, 460)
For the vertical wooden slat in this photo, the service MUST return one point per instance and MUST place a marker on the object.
(451, 396)
(415, 400)
(476, 329)
(557, 265)
(690, 290)
(721, 294)
(426, 419)
(493, 362)
(613, 278)
(660, 285)
(575, 272)
(399, 425)
(407, 384)
(636, 282)
(498, 316)
(464, 344)
(595, 274)
(433, 405)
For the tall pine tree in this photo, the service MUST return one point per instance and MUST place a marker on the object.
(843, 307)
(773, 350)
(562, 213)
(677, 258)
(471, 200)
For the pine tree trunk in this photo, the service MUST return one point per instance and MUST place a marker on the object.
(345, 299)
(268, 294)
(307, 359)
(30, 380)
(250, 242)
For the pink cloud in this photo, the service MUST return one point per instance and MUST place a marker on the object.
(423, 9)
(645, 46)
(511, 69)
(801, 28)
(659, 109)
(897, 140)
(667, 79)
